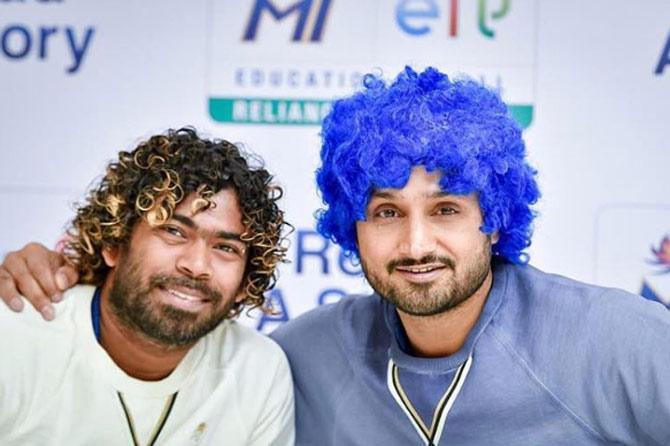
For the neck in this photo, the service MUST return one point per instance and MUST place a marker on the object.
(445, 333)
(136, 355)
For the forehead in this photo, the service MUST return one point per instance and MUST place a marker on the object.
(224, 213)
(422, 185)
(420, 182)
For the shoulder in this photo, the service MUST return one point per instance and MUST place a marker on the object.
(552, 320)
(326, 345)
(536, 302)
(243, 345)
(252, 379)
(29, 322)
(252, 360)
(33, 339)
(349, 322)
(40, 353)
(601, 353)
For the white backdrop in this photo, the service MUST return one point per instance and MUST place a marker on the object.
(590, 82)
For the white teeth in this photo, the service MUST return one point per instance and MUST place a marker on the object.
(420, 270)
(183, 296)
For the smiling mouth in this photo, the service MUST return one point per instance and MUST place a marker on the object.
(422, 273)
(184, 298)
(419, 269)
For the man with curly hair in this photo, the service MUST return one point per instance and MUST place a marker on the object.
(178, 237)
(425, 181)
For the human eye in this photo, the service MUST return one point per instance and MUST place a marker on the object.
(386, 213)
(446, 210)
(229, 248)
(173, 230)
(223, 247)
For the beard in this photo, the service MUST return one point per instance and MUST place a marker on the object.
(439, 296)
(130, 300)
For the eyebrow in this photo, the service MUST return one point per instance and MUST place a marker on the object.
(391, 195)
(226, 235)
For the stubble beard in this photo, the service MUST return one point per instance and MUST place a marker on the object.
(131, 303)
(428, 299)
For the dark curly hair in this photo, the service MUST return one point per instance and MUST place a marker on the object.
(150, 181)
(460, 128)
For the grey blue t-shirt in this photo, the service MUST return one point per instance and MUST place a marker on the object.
(550, 361)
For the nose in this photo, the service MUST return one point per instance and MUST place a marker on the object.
(418, 239)
(194, 260)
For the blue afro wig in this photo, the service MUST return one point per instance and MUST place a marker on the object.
(460, 128)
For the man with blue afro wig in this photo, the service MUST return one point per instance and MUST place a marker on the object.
(425, 182)
(460, 129)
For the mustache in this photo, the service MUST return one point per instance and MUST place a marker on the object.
(161, 280)
(407, 261)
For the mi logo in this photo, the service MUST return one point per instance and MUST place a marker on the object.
(310, 22)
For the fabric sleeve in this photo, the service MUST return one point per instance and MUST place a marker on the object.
(646, 379)
(629, 379)
(10, 403)
(19, 372)
(276, 424)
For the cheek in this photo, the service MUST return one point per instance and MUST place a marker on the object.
(366, 244)
(479, 244)
(465, 242)
(151, 251)
(374, 239)
(376, 256)
(230, 275)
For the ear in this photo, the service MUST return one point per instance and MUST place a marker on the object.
(240, 296)
(495, 237)
(110, 256)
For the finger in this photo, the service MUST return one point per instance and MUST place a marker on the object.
(66, 277)
(33, 293)
(28, 287)
(42, 265)
(8, 292)
(16, 264)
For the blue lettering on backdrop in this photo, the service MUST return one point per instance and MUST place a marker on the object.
(19, 41)
(664, 60)
(239, 76)
(276, 299)
(311, 247)
(318, 253)
(21, 49)
(409, 12)
(292, 78)
(318, 250)
(281, 313)
(257, 78)
(44, 36)
(78, 52)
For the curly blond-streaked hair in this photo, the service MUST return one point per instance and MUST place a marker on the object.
(150, 181)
